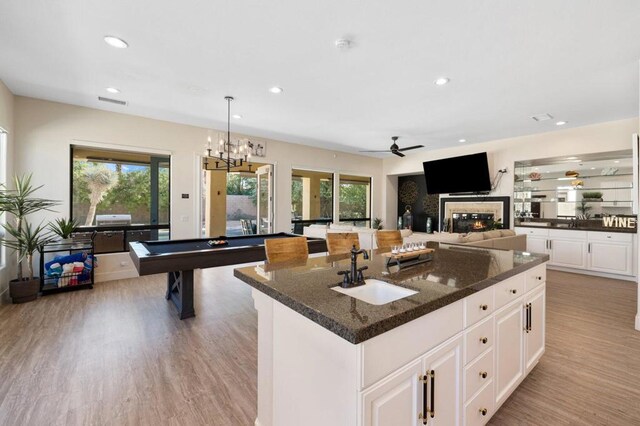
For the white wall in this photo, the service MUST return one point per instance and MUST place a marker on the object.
(45, 130)
(609, 136)
(7, 123)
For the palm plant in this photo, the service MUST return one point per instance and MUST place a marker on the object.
(63, 227)
(22, 237)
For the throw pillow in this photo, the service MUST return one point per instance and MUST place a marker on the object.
(405, 232)
(474, 236)
(491, 234)
(507, 232)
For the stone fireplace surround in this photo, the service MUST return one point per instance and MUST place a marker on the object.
(500, 207)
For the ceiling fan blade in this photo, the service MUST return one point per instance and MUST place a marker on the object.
(398, 153)
(378, 150)
(411, 147)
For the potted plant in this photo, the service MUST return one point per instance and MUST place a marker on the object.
(63, 227)
(21, 236)
(592, 196)
(377, 223)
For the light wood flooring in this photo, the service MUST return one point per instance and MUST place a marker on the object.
(118, 355)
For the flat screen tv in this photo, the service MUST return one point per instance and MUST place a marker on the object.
(463, 174)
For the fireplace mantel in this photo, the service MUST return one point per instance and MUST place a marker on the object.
(500, 207)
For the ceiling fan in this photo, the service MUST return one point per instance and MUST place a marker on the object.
(394, 149)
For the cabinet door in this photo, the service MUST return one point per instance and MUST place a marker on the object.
(397, 400)
(614, 258)
(444, 389)
(534, 327)
(509, 350)
(569, 253)
(536, 244)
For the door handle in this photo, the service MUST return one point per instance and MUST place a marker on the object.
(423, 415)
(589, 248)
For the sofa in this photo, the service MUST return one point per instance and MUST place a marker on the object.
(504, 239)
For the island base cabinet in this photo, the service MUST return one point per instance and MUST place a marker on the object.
(397, 400)
(611, 257)
(427, 392)
(479, 410)
(509, 347)
(534, 308)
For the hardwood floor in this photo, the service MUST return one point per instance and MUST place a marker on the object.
(118, 355)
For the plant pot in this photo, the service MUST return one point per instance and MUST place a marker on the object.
(25, 290)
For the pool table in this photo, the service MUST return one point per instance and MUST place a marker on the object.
(178, 258)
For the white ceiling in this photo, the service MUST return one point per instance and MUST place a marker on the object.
(507, 60)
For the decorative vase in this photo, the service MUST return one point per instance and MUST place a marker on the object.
(25, 290)
(407, 218)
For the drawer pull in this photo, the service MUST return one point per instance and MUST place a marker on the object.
(513, 291)
(484, 340)
(483, 374)
(539, 278)
(483, 411)
(484, 307)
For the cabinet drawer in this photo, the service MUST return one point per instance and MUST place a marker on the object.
(508, 290)
(479, 410)
(567, 235)
(477, 374)
(478, 306)
(478, 339)
(618, 237)
(533, 231)
(535, 277)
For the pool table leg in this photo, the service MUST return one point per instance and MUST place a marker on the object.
(180, 292)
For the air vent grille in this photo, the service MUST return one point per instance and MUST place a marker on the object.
(113, 101)
(542, 117)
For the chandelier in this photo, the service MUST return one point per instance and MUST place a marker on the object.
(227, 154)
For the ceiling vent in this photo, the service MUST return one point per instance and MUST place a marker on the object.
(542, 117)
(113, 101)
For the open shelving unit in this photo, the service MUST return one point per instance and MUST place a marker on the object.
(56, 283)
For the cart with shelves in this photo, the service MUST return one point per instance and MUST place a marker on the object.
(67, 265)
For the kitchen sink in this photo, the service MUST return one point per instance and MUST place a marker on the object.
(376, 292)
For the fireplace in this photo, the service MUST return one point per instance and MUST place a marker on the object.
(485, 209)
(472, 222)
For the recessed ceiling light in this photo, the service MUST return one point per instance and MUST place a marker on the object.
(462, 140)
(572, 158)
(593, 168)
(617, 161)
(343, 43)
(441, 81)
(116, 42)
(276, 89)
(112, 90)
(238, 116)
(561, 123)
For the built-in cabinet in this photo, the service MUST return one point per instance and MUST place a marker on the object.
(585, 251)
(453, 367)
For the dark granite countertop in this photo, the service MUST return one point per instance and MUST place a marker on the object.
(597, 228)
(454, 273)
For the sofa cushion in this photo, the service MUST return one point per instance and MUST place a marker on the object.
(473, 236)
(318, 226)
(507, 232)
(405, 232)
(341, 227)
(491, 234)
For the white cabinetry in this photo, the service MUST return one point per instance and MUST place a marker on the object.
(584, 251)
(448, 367)
(611, 252)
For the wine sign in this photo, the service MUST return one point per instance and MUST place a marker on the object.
(619, 222)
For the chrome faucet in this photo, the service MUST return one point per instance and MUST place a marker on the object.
(354, 277)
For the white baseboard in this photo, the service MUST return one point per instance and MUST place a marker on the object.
(115, 275)
(4, 297)
(638, 322)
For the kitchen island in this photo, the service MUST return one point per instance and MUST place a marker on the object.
(449, 354)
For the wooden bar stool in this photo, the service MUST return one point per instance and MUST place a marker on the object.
(388, 239)
(342, 242)
(286, 249)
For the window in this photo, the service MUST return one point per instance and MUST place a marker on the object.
(311, 198)
(3, 180)
(355, 200)
(120, 189)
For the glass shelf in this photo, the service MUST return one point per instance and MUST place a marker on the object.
(542, 200)
(570, 178)
(594, 189)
